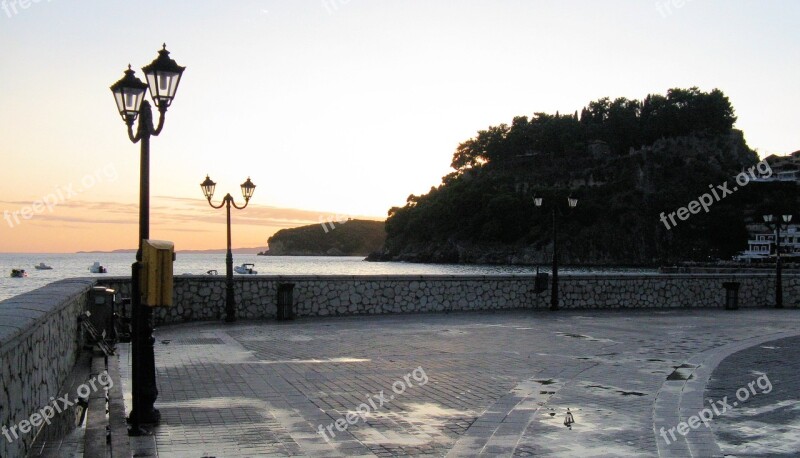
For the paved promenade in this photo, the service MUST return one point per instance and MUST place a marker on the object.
(479, 384)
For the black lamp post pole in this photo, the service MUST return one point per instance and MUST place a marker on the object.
(143, 377)
(554, 289)
(778, 271)
(777, 224)
(230, 300)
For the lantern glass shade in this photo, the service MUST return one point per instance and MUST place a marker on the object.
(163, 77)
(128, 94)
(767, 218)
(573, 202)
(537, 201)
(208, 188)
(248, 188)
(787, 218)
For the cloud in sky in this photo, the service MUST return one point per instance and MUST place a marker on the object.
(190, 223)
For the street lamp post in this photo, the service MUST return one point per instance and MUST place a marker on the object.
(572, 202)
(248, 188)
(163, 76)
(777, 225)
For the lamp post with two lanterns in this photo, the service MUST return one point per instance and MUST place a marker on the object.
(163, 77)
(572, 202)
(248, 188)
(774, 224)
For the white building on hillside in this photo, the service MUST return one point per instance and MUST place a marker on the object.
(762, 247)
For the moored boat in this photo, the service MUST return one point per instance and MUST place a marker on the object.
(96, 268)
(245, 269)
(43, 266)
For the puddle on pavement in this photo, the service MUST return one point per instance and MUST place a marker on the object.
(616, 390)
(631, 393)
(299, 338)
(428, 418)
(313, 361)
(582, 337)
(589, 435)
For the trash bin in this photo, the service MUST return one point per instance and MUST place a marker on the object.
(540, 284)
(285, 301)
(101, 308)
(731, 295)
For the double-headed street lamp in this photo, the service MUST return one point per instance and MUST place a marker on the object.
(248, 188)
(163, 76)
(572, 202)
(777, 225)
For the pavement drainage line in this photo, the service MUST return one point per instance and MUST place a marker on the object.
(700, 443)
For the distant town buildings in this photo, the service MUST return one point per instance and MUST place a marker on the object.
(762, 247)
(784, 168)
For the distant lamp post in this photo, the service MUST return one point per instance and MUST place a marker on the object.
(572, 202)
(163, 76)
(777, 225)
(248, 188)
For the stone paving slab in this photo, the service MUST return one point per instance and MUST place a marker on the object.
(487, 384)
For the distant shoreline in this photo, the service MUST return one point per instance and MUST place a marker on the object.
(211, 251)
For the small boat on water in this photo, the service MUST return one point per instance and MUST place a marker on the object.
(43, 266)
(212, 272)
(96, 268)
(245, 269)
(18, 273)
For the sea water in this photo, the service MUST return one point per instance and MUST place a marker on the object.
(119, 264)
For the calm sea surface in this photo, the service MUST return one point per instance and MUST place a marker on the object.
(118, 264)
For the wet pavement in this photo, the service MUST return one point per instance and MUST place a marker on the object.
(476, 384)
(764, 419)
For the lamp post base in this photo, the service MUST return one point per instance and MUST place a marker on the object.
(144, 417)
(143, 374)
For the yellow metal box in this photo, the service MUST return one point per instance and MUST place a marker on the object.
(157, 257)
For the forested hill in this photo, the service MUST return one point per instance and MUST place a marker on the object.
(335, 238)
(625, 160)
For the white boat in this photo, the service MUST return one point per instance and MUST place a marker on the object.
(42, 266)
(245, 269)
(96, 268)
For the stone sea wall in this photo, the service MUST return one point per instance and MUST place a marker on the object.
(39, 342)
(202, 297)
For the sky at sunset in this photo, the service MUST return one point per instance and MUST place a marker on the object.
(336, 107)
